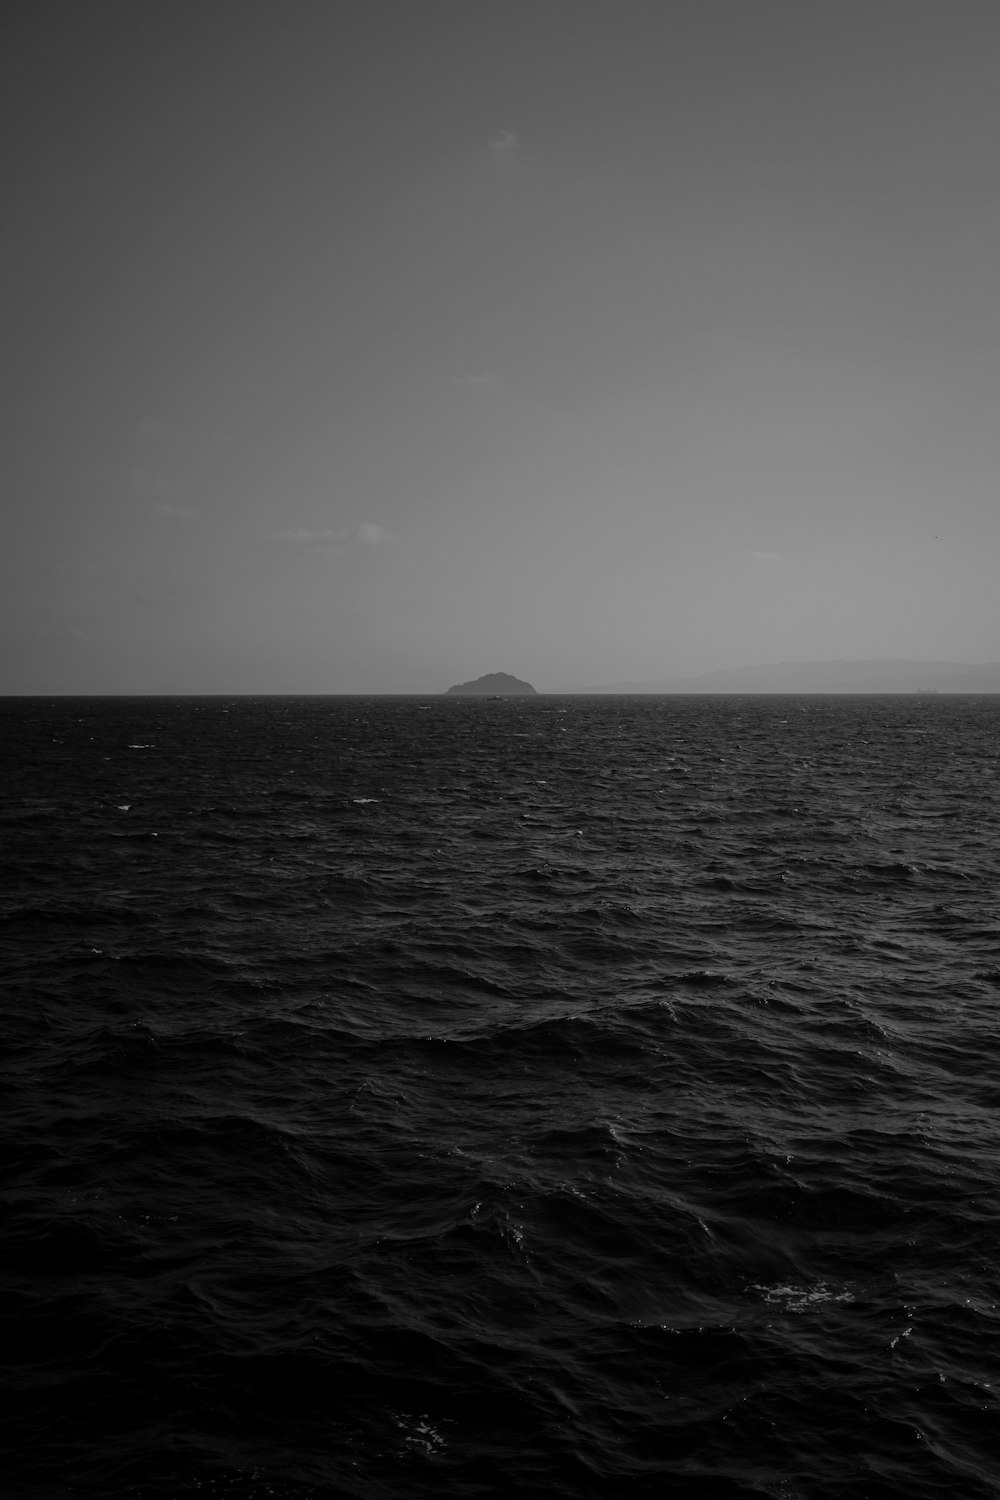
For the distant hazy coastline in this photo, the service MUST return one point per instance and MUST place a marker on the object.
(880, 676)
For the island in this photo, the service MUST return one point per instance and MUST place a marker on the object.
(493, 685)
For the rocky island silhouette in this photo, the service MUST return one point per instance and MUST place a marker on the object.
(493, 685)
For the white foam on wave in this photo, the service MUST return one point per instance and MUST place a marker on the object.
(799, 1299)
(419, 1433)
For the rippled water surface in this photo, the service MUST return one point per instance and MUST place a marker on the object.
(555, 1096)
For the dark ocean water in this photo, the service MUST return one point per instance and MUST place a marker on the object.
(558, 1097)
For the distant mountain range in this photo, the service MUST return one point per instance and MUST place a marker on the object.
(830, 677)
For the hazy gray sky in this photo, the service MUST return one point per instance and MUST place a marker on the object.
(371, 345)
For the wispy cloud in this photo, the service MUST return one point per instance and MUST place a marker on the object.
(764, 557)
(49, 627)
(168, 508)
(152, 427)
(503, 146)
(371, 535)
(482, 380)
(161, 493)
(366, 534)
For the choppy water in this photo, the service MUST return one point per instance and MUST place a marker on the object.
(565, 1097)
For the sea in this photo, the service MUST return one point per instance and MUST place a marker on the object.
(566, 1097)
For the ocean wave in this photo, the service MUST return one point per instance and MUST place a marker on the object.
(590, 1099)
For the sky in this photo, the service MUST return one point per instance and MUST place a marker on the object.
(373, 345)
